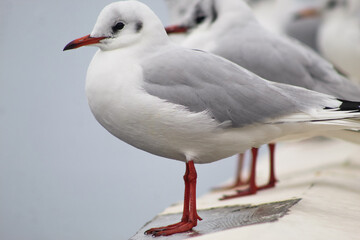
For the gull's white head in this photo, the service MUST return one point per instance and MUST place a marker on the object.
(122, 24)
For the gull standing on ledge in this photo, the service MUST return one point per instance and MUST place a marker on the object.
(190, 105)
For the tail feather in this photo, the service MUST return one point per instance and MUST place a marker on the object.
(345, 110)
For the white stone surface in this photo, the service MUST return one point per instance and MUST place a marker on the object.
(324, 173)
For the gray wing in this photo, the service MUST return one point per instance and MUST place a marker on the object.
(202, 81)
(284, 60)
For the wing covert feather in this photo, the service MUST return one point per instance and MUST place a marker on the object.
(201, 81)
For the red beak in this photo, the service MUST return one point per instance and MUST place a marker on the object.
(307, 13)
(83, 41)
(176, 29)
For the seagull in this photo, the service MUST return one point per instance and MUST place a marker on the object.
(189, 105)
(339, 36)
(228, 28)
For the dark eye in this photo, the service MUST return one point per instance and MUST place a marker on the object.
(199, 14)
(118, 26)
(200, 19)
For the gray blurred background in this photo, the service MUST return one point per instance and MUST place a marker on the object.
(62, 176)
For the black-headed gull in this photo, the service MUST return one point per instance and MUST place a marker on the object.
(189, 105)
(229, 29)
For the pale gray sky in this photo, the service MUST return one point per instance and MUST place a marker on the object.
(62, 176)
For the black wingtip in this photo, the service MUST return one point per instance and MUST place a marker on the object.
(349, 105)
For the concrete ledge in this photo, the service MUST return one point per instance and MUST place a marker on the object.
(223, 218)
(324, 174)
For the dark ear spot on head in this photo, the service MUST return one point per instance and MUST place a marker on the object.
(331, 4)
(214, 12)
(138, 26)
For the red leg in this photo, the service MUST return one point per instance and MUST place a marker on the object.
(190, 216)
(272, 179)
(252, 181)
(238, 176)
(192, 179)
